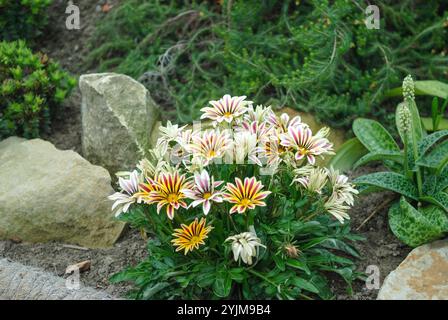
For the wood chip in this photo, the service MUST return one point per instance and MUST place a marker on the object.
(70, 246)
(81, 267)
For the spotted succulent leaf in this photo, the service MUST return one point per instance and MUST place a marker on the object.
(414, 227)
(389, 181)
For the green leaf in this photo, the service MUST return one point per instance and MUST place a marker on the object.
(413, 227)
(442, 183)
(427, 124)
(389, 181)
(430, 140)
(340, 245)
(437, 158)
(424, 87)
(440, 199)
(380, 156)
(347, 155)
(279, 262)
(374, 136)
(298, 264)
(223, 284)
(149, 292)
(304, 284)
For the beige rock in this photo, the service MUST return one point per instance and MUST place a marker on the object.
(118, 117)
(423, 275)
(47, 194)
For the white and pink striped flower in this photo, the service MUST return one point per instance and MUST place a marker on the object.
(209, 145)
(283, 122)
(203, 192)
(126, 197)
(301, 139)
(225, 109)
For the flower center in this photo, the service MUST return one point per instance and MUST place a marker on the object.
(211, 154)
(173, 197)
(195, 240)
(304, 151)
(207, 195)
(245, 202)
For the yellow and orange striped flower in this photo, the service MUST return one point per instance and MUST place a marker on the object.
(190, 237)
(166, 190)
(245, 195)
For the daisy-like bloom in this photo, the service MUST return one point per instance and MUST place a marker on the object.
(314, 181)
(209, 145)
(190, 237)
(260, 129)
(259, 114)
(225, 109)
(342, 189)
(245, 146)
(170, 132)
(245, 195)
(337, 208)
(166, 190)
(301, 139)
(203, 192)
(244, 246)
(283, 122)
(126, 197)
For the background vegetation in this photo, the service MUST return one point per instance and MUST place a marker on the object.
(313, 55)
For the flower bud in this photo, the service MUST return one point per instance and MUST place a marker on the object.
(408, 88)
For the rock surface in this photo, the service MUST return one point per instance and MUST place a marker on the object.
(423, 275)
(19, 282)
(47, 194)
(118, 117)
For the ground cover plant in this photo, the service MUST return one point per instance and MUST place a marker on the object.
(314, 55)
(32, 87)
(418, 173)
(239, 209)
(22, 19)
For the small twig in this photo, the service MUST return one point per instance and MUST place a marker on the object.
(70, 246)
(381, 207)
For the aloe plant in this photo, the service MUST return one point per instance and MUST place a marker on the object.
(418, 172)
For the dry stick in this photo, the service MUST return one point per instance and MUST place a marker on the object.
(384, 204)
(70, 246)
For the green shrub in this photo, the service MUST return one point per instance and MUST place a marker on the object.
(317, 55)
(31, 87)
(22, 19)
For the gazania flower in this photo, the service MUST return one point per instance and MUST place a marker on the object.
(337, 208)
(245, 146)
(191, 236)
(314, 181)
(283, 122)
(225, 109)
(166, 190)
(170, 132)
(203, 192)
(342, 189)
(245, 196)
(244, 246)
(305, 144)
(209, 145)
(259, 114)
(124, 199)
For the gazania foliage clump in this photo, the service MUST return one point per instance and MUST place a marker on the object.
(236, 207)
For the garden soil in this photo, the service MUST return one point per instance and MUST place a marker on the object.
(70, 47)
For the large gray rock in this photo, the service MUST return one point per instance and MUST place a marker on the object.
(47, 194)
(118, 117)
(19, 282)
(423, 275)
